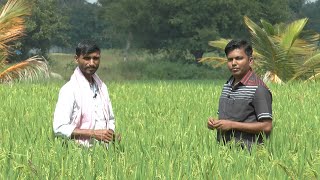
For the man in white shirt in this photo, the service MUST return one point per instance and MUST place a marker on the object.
(83, 111)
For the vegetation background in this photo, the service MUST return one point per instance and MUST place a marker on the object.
(157, 39)
(161, 94)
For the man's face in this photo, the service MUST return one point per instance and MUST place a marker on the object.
(88, 63)
(239, 63)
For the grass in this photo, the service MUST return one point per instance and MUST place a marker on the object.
(163, 124)
(139, 66)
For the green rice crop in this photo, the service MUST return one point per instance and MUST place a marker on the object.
(164, 135)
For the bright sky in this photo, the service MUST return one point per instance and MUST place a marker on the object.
(92, 1)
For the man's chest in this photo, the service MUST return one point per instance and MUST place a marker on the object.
(236, 104)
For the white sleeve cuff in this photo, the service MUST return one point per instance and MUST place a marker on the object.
(64, 130)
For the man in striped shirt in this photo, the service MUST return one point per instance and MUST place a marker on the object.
(245, 105)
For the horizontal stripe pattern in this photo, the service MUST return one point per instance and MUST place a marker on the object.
(264, 116)
(242, 92)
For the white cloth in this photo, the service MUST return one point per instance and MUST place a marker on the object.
(78, 107)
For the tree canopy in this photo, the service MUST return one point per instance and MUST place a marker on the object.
(312, 11)
(84, 22)
(282, 52)
(171, 25)
(44, 28)
(185, 24)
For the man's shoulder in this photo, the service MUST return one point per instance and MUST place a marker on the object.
(254, 80)
(258, 88)
(263, 89)
(67, 88)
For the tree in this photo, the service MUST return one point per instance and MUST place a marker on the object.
(84, 22)
(311, 10)
(11, 28)
(45, 27)
(184, 25)
(283, 52)
(296, 6)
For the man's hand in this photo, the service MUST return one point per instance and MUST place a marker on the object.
(223, 125)
(103, 135)
(211, 122)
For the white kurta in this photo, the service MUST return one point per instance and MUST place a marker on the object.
(67, 108)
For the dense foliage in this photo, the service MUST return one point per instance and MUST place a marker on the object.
(311, 10)
(179, 26)
(44, 28)
(282, 52)
(182, 25)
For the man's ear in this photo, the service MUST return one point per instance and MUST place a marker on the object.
(250, 60)
(76, 59)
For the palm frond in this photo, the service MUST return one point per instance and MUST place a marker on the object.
(313, 60)
(220, 44)
(281, 52)
(11, 28)
(3, 57)
(29, 69)
(269, 54)
(312, 37)
(292, 32)
(309, 67)
(12, 21)
(302, 47)
(261, 41)
(278, 28)
(270, 30)
(272, 55)
(214, 61)
(15, 10)
(315, 76)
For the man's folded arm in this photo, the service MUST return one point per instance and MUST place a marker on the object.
(262, 126)
(62, 123)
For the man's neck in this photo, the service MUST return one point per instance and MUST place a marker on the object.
(235, 81)
(90, 79)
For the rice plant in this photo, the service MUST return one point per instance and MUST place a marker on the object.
(164, 135)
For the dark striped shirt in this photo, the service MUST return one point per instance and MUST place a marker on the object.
(248, 101)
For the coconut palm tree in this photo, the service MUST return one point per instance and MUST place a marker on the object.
(11, 28)
(282, 52)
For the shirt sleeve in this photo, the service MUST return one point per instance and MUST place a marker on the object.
(62, 122)
(111, 123)
(262, 103)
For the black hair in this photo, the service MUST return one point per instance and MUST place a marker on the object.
(239, 44)
(86, 47)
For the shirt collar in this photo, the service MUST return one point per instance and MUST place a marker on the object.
(244, 80)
